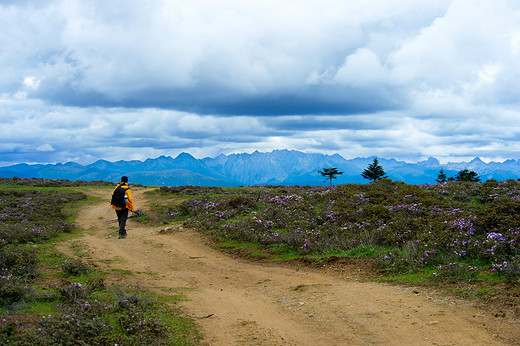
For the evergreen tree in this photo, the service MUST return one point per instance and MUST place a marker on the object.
(442, 177)
(330, 173)
(467, 175)
(374, 171)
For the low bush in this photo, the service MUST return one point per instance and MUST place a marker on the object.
(69, 330)
(19, 261)
(75, 267)
(510, 271)
(12, 289)
(456, 271)
(42, 182)
(33, 216)
(191, 190)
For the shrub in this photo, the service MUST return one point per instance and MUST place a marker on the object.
(190, 190)
(19, 261)
(510, 271)
(408, 259)
(42, 182)
(134, 320)
(70, 330)
(456, 271)
(12, 289)
(74, 292)
(33, 216)
(128, 320)
(135, 324)
(75, 267)
(501, 214)
(17, 266)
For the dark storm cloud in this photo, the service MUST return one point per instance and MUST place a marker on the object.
(317, 100)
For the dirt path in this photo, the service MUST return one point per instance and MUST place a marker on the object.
(243, 303)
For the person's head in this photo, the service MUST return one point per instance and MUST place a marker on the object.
(124, 179)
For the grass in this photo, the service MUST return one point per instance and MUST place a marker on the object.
(301, 288)
(42, 308)
(123, 271)
(422, 278)
(79, 249)
(366, 251)
(113, 260)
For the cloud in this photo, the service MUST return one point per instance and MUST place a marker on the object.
(130, 80)
(465, 52)
(45, 147)
(362, 68)
(226, 58)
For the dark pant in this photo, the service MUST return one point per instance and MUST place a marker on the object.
(122, 215)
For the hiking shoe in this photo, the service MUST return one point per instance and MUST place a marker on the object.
(122, 236)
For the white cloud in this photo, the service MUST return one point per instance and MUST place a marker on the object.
(31, 83)
(362, 68)
(45, 147)
(515, 42)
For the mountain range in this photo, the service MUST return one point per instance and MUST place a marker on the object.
(279, 167)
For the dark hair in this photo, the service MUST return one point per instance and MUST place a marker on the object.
(124, 179)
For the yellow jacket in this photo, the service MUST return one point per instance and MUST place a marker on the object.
(128, 193)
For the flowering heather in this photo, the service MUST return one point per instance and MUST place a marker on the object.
(191, 190)
(27, 216)
(32, 216)
(428, 225)
(122, 317)
(42, 182)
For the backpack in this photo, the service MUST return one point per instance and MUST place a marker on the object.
(118, 197)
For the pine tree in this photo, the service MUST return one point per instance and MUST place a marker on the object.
(330, 173)
(467, 175)
(442, 177)
(374, 171)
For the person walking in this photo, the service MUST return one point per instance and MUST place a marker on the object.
(122, 202)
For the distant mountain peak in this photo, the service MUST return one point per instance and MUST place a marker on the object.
(476, 160)
(160, 158)
(278, 167)
(430, 162)
(185, 155)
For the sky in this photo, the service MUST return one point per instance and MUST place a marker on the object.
(129, 80)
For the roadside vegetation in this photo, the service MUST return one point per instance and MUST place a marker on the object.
(47, 298)
(461, 235)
